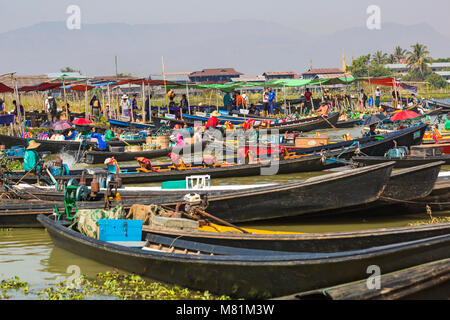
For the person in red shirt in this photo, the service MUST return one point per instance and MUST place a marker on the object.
(308, 100)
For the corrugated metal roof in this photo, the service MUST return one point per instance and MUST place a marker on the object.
(324, 70)
(215, 72)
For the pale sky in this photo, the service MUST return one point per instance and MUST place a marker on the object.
(313, 17)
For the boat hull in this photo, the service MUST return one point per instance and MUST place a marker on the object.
(252, 276)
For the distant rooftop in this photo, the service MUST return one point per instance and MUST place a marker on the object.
(279, 73)
(215, 72)
(65, 75)
(324, 71)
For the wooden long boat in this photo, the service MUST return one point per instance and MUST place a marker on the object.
(55, 146)
(96, 157)
(439, 104)
(406, 162)
(303, 197)
(304, 160)
(408, 184)
(306, 242)
(240, 272)
(129, 124)
(350, 123)
(304, 125)
(371, 146)
(429, 281)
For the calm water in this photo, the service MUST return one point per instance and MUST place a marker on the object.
(30, 254)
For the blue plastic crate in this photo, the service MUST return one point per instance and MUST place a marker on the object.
(120, 230)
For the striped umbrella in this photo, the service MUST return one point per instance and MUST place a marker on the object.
(62, 125)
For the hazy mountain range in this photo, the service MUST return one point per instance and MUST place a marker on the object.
(251, 47)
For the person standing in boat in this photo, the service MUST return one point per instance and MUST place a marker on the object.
(362, 99)
(271, 100)
(308, 101)
(227, 101)
(377, 97)
(147, 108)
(52, 108)
(134, 108)
(184, 104)
(2, 106)
(95, 105)
(245, 99)
(265, 100)
(125, 106)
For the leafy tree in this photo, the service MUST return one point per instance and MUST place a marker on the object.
(69, 69)
(399, 54)
(379, 70)
(415, 75)
(379, 58)
(442, 60)
(123, 75)
(360, 66)
(418, 59)
(436, 81)
(391, 58)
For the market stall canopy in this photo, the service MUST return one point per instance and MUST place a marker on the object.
(41, 86)
(4, 88)
(311, 82)
(146, 82)
(389, 82)
(80, 87)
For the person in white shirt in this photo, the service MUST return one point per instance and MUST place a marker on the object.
(245, 98)
(125, 106)
(377, 97)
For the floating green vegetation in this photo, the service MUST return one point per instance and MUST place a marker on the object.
(433, 220)
(123, 287)
(6, 286)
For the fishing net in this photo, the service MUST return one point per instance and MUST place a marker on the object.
(87, 220)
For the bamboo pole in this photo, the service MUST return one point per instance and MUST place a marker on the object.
(165, 85)
(187, 97)
(143, 102)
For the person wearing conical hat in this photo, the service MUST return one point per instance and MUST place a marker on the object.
(31, 159)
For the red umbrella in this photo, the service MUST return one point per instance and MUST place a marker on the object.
(80, 121)
(404, 115)
(212, 122)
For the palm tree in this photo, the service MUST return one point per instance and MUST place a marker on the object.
(392, 58)
(418, 58)
(399, 54)
(379, 58)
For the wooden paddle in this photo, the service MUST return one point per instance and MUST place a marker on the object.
(219, 220)
(26, 173)
(328, 122)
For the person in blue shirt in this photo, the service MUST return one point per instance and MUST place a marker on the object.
(31, 159)
(101, 141)
(134, 108)
(71, 135)
(371, 130)
(271, 99)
